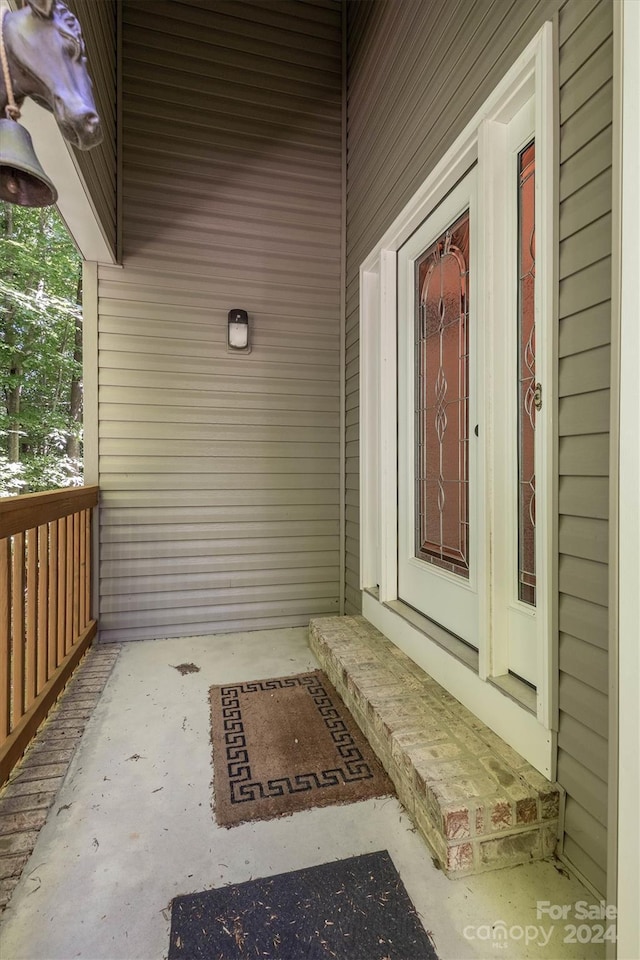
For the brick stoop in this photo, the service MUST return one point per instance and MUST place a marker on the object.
(477, 802)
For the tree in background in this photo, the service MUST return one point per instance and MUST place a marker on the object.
(40, 352)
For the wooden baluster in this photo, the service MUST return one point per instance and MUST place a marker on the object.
(17, 605)
(68, 627)
(76, 577)
(88, 555)
(5, 637)
(83, 569)
(52, 657)
(31, 631)
(43, 605)
(62, 588)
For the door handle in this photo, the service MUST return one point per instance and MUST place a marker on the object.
(537, 397)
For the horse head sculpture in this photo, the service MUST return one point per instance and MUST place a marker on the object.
(46, 58)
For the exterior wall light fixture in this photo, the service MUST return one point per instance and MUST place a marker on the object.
(238, 332)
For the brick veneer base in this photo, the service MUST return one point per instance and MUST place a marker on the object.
(477, 802)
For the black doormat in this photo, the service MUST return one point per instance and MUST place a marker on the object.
(356, 909)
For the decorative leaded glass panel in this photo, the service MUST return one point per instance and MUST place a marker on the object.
(442, 401)
(526, 377)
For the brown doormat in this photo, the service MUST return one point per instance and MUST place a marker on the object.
(284, 745)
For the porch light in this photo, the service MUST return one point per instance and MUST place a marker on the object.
(238, 331)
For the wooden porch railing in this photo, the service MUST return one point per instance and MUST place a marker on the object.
(45, 607)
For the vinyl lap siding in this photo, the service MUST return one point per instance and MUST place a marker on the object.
(586, 67)
(98, 166)
(220, 473)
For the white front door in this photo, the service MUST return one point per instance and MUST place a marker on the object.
(439, 483)
(471, 435)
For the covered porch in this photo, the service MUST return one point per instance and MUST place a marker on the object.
(132, 826)
(258, 155)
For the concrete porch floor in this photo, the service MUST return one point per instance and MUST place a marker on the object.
(132, 828)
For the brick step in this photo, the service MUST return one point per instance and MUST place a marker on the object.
(477, 802)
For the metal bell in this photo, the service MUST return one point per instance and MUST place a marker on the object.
(22, 179)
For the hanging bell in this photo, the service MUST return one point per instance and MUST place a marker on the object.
(22, 179)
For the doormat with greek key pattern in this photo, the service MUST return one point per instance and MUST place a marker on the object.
(287, 744)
